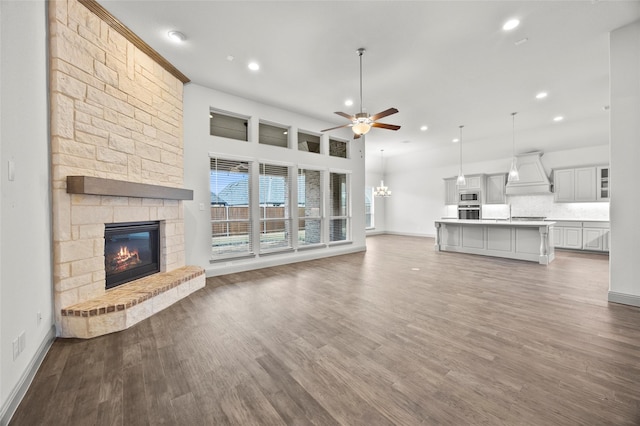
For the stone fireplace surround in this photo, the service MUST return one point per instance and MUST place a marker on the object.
(116, 114)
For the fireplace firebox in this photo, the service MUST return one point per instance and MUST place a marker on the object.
(131, 251)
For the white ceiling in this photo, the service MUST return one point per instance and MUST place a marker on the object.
(441, 63)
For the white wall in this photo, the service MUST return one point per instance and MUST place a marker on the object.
(25, 225)
(372, 178)
(418, 191)
(625, 156)
(198, 143)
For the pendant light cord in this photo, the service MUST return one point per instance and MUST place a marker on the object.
(461, 126)
(513, 122)
(360, 53)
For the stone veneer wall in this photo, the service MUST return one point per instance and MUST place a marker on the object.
(115, 113)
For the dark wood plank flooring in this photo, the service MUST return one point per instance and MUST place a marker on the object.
(397, 335)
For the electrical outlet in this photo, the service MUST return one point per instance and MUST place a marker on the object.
(22, 341)
(16, 349)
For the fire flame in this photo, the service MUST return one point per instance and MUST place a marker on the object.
(124, 253)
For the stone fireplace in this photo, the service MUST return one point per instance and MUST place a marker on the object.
(117, 157)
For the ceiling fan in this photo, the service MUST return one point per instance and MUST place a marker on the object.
(362, 122)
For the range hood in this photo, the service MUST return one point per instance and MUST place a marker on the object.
(533, 178)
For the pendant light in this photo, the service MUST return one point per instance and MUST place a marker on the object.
(382, 191)
(461, 180)
(514, 176)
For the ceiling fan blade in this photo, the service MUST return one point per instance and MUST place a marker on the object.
(386, 126)
(345, 115)
(383, 114)
(337, 127)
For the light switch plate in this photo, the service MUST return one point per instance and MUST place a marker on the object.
(12, 170)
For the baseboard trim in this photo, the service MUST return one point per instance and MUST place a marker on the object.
(623, 298)
(20, 389)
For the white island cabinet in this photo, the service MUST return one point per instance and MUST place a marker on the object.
(526, 240)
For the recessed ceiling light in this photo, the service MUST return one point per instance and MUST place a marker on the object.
(542, 95)
(424, 128)
(230, 58)
(510, 24)
(253, 66)
(558, 118)
(348, 102)
(455, 140)
(176, 36)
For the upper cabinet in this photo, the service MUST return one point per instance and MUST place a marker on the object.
(495, 188)
(450, 191)
(602, 183)
(580, 184)
(473, 182)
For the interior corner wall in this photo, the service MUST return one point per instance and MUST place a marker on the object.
(624, 284)
(25, 224)
(198, 144)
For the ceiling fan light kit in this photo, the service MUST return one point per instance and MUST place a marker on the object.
(362, 122)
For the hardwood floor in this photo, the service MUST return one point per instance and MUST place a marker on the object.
(400, 335)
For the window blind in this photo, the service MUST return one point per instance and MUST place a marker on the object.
(275, 207)
(230, 191)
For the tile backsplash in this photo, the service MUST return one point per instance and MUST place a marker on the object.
(543, 205)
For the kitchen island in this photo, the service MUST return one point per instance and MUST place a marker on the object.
(522, 240)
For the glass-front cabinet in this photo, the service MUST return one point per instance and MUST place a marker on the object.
(603, 182)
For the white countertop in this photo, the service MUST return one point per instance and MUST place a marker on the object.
(499, 222)
(577, 220)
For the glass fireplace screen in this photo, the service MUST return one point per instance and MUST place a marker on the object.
(131, 251)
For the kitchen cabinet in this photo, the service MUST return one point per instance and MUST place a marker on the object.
(473, 182)
(495, 188)
(602, 183)
(595, 236)
(450, 191)
(567, 234)
(593, 239)
(585, 184)
(579, 184)
(577, 235)
(563, 185)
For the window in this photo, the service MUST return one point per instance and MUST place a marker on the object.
(309, 207)
(337, 148)
(230, 192)
(275, 208)
(308, 142)
(228, 126)
(270, 134)
(338, 207)
(368, 207)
